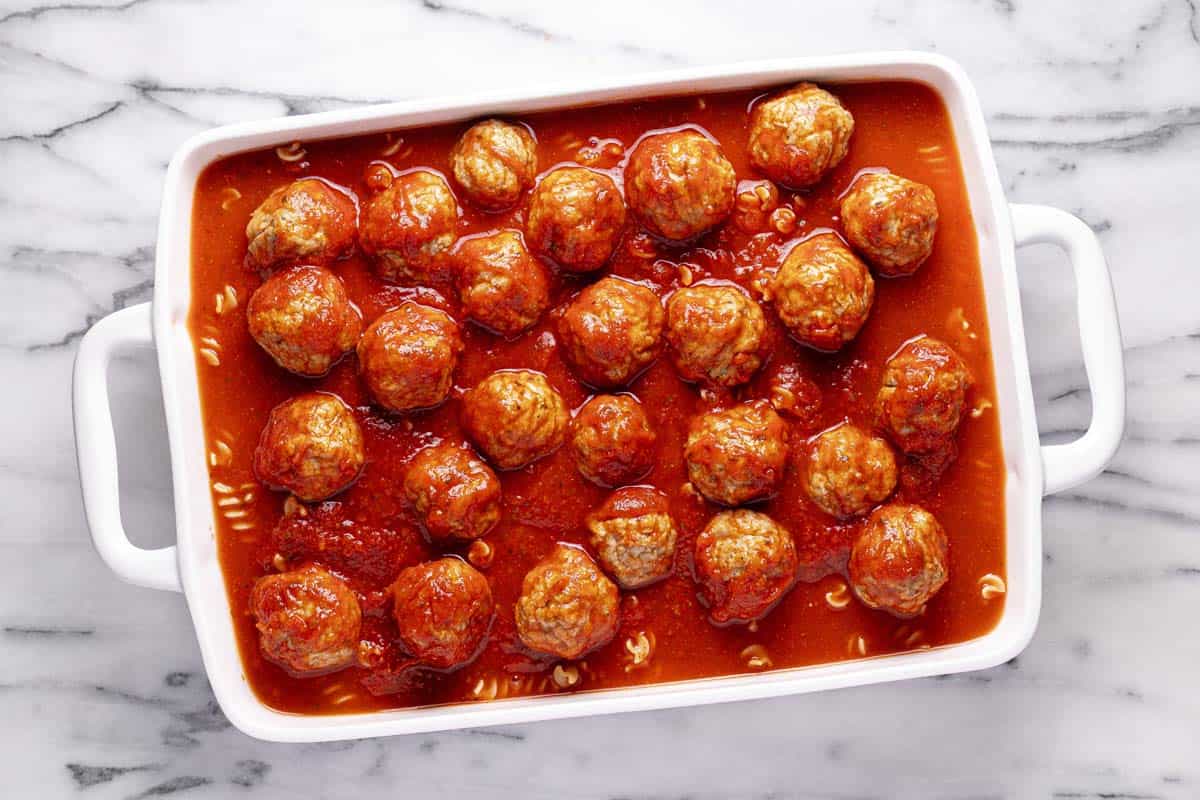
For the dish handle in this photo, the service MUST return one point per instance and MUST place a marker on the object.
(96, 450)
(1068, 465)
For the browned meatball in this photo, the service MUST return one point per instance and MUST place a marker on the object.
(408, 228)
(798, 135)
(456, 495)
(899, 560)
(515, 417)
(501, 285)
(575, 218)
(303, 319)
(443, 611)
(612, 440)
(739, 455)
(848, 471)
(891, 221)
(612, 331)
(717, 333)
(745, 562)
(311, 446)
(823, 293)
(308, 621)
(634, 535)
(921, 399)
(493, 162)
(679, 184)
(567, 606)
(407, 357)
(308, 220)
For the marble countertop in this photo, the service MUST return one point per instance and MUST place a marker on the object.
(1093, 107)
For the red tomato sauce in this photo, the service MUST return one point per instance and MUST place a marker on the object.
(901, 126)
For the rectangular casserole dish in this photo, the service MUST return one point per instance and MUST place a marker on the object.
(192, 565)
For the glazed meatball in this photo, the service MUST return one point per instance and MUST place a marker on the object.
(493, 162)
(567, 607)
(311, 446)
(717, 333)
(634, 536)
(798, 135)
(891, 221)
(921, 399)
(502, 287)
(899, 561)
(612, 440)
(575, 218)
(515, 417)
(612, 331)
(745, 562)
(308, 220)
(308, 621)
(303, 319)
(443, 611)
(679, 184)
(409, 226)
(738, 455)
(455, 495)
(823, 293)
(848, 471)
(407, 357)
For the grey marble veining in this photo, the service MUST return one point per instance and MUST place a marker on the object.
(1092, 107)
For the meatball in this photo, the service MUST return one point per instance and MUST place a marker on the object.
(493, 162)
(443, 611)
(567, 607)
(823, 293)
(745, 562)
(739, 455)
(456, 495)
(634, 536)
(407, 357)
(303, 319)
(515, 417)
(798, 135)
(612, 331)
(612, 440)
(717, 333)
(308, 621)
(848, 471)
(921, 399)
(891, 221)
(899, 561)
(311, 446)
(575, 218)
(679, 184)
(308, 220)
(502, 287)
(409, 226)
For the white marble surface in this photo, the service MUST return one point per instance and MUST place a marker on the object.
(1093, 107)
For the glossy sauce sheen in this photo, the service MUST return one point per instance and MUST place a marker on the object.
(900, 126)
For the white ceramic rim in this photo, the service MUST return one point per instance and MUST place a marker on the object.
(200, 571)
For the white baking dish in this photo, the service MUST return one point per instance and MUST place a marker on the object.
(192, 565)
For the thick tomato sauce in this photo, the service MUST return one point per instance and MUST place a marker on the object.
(367, 534)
